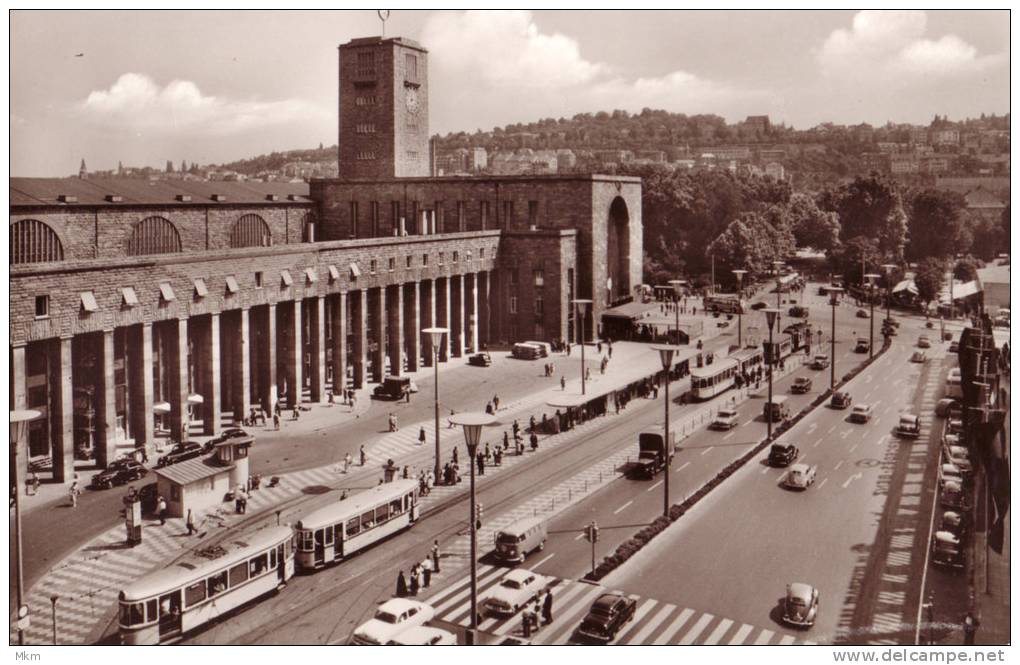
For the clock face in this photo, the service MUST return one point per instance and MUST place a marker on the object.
(411, 99)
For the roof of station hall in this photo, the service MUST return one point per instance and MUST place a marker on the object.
(132, 191)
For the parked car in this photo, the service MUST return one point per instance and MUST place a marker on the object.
(950, 473)
(482, 359)
(782, 454)
(800, 476)
(840, 400)
(918, 357)
(230, 433)
(393, 387)
(954, 425)
(423, 636)
(952, 522)
(518, 587)
(392, 618)
(952, 496)
(862, 314)
(923, 342)
(946, 550)
(798, 312)
(861, 413)
(959, 457)
(801, 384)
(759, 305)
(863, 346)
(821, 361)
(944, 405)
(954, 346)
(889, 331)
(180, 453)
(607, 615)
(118, 473)
(800, 607)
(891, 322)
(909, 426)
(725, 419)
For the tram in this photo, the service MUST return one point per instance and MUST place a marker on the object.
(714, 379)
(749, 359)
(341, 529)
(163, 605)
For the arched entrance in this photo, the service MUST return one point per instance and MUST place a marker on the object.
(618, 251)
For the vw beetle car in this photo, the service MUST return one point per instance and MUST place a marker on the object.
(800, 607)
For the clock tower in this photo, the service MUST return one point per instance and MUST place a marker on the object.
(384, 110)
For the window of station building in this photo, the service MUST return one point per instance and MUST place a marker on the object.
(461, 217)
(153, 235)
(371, 266)
(42, 307)
(366, 63)
(250, 231)
(456, 256)
(539, 305)
(375, 219)
(367, 100)
(483, 212)
(481, 252)
(354, 219)
(440, 218)
(508, 214)
(392, 263)
(539, 276)
(409, 260)
(365, 128)
(441, 258)
(366, 155)
(412, 124)
(412, 154)
(533, 213)
(395, 215)
(258, 279)
(33, 241)
(514, 274)
(411, 67)
(513, 304)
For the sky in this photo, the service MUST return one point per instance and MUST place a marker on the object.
(214, 86)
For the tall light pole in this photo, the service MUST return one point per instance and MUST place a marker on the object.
(777, 267)
(581, 305)
(771, 316)
(677, 285)
(473, 424)
(740, 308)
(887, 268)
(436, 339)
(834, 292)
(666, 356)
(19, 427)
(871, 277)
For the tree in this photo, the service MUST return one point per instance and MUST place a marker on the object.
(965, 269)
(749, 243)
(936, 224)
(169, 166)
(870, 207)
(856, 257)
(930, 278)
(987, 238)
(812, 226)
(184, 166)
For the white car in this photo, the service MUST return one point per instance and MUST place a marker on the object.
(517, 588)
(861, 413)
(725, 419)
(821, 361)
(424, 636)
(393, 617)
(959, 457)
(800, 476)
(950, 473)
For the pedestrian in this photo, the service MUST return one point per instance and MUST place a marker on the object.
(481, 464)
(531, 423)
(364, 457)
(426, 572)
(161, 510)
(488, 408)
(354, 404)
(535, 614)
(455, 454)
(74, 494)
(598, 347)
(408, 395)
(488, 453)
(498, 457)
(297, 412)
(547, 602)
(563, 383)
(970, 626)
(277, 409)
(587, 374)
(406, 473)
(329, 398)
(190, 523)
(495, 402)
(347, 462)
(435, 556)
(506, 440)
(421, 436)
(610, 349)
(276, 421)
(401, 585)
(568, 348)
(414, 582)
(145, 454)
(534, 441)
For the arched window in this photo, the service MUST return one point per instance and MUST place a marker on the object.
(251, 231)
(33, 241)
(154, 235)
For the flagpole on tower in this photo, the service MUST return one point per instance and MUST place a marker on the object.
(383, 15)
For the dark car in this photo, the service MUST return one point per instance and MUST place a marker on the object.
(891, 322)
(799, 312)
(229, 433)
(782, 454)
(840, 400)
(801, 384)
(863, 346)
(759, 305)
(120, 472)
(181, 452)
(480, 360)
(607, 615)
(393, 387)
(862, 314)
(954, 346)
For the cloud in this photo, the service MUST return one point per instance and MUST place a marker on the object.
(508, 63)
(135, 102)
(889, 44)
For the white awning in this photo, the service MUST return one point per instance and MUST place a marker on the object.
(167, 292)
(88, 301)
(231, 284)
(905, 285)
(195, 399)
(286, 278)
(200, 289)
(130, 297)
(334, 274)
(355, 271)
(311, 275)
(161, 407)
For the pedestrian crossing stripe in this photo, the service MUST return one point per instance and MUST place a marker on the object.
(654, 622)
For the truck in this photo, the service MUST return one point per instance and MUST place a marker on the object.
(653, 450)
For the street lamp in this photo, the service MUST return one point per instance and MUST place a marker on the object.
(887, 268)
(473, 424)
(19, 427)
(771, 317)
(871, 277)
(834, 292)
(677, 285)
(740, 309)
(582, 306)
(436, 338)
(666, 356)
(777, 266)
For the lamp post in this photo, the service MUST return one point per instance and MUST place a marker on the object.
(834, 292)
(771, 316)
(777, 266)
(19, 427)
(666, 356)
(436, 339)
(871, 277)
(887, 268)
(53, 599)
(473, 424)
(581, 305)
(677, 285)
(740, 309)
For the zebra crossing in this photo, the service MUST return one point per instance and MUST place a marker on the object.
(654, 622)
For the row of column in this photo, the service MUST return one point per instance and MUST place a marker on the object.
(252, 356)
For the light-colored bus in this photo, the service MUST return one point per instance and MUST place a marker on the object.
(777, 409)
(341, 529)
(714, 379)
(724, 303)
(954, 387)
(165, 604)
(516, 540)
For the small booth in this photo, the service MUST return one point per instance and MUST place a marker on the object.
(203, 483)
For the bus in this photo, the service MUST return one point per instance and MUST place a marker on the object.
(337, 531)
(714, 379)
(164, 605)
(954, 387)
(724, 303)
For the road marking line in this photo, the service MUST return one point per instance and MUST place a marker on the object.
(543, 560)
(811, 427)
(764, 637)
(678, 623)
(706, 451)
(576, 609)
(831, 429)
(787, 639)
(851, 479)
(623, 507)
(838, 464)
(822, 483)
(683, 466)
(653, 486)
(741, 634)
(644, 609)
(653, 623)
(697, 629)
(719, 631)
(729, 435)
(853, 447)
(579, 536)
